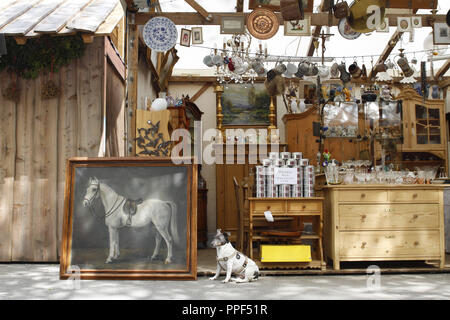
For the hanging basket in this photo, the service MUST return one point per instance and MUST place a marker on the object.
(341, 10)
(49, 90)
(12, 92)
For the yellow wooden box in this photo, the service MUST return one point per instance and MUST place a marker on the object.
(285, 253)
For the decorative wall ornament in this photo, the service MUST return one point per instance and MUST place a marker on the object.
(262, 23)
(160, 34)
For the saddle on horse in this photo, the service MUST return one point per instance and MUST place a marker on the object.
(130, 208)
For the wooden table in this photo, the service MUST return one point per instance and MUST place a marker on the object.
(302, 208)
(384, 222)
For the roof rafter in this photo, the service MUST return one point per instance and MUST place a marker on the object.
(199, 9)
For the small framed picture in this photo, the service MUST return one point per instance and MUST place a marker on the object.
(185, 39)
(416, 22)
(197, 35)
(232, 24)
(404, 24)
(384, 26)
(298, 27)
(441, 33)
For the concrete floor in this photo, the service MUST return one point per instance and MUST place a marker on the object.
(41, 281)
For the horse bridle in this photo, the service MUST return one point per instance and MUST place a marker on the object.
(90, 201)
(111, 211)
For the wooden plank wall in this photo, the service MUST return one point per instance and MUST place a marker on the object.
(36, 138)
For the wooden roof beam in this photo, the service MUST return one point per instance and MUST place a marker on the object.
(239, 5)
(207, 16)
(317, 19)
(386, 52)
(443, 70)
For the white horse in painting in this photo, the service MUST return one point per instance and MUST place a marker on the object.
(161, 213)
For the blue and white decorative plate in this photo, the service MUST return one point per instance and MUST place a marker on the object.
(160, 34)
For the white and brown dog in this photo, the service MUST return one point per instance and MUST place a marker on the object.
(232, 261)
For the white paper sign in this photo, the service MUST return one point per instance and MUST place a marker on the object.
(268, 216)
(285, 176)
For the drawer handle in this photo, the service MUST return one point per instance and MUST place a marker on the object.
(303, 206)
(363, 245)
(415, 195)
(389, 237)
(363, 217)
(363, 195)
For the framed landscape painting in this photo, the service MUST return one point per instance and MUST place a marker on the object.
(245, 105)
(129, 218)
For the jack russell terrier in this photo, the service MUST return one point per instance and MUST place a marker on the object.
(232, 261)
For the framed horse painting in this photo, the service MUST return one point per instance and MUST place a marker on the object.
(130, 218)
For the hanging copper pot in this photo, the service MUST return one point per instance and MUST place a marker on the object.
(359, 15)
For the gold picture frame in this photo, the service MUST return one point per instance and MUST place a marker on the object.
(151, 181)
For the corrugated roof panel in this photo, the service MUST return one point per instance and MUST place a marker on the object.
(16, 10)
(25, 22)
(61, 16)
(93, 15)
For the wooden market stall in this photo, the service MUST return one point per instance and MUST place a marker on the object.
(299, 131)
(81, 114)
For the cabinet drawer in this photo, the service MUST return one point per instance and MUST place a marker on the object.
(385, 216)
(414, 196)
(389, 244)
(272, 206)
(363, 196)
(306, 206)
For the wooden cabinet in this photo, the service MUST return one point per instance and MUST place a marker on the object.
(423, 123)
(376, 222)
(424, 131)
(300, 138)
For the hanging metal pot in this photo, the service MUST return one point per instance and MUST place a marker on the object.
(359, 15)
(355, 70)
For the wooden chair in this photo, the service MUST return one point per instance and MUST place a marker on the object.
(263, 231)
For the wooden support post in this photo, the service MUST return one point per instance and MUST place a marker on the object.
(133, 54)
(239, 5)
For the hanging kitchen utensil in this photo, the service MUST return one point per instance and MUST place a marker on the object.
(346, 31)
(345, 76)
(341, 9)
(364, 72)
(404, 65)
(262, 23)
(359, 14)
(355, 70)
(292, 10)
